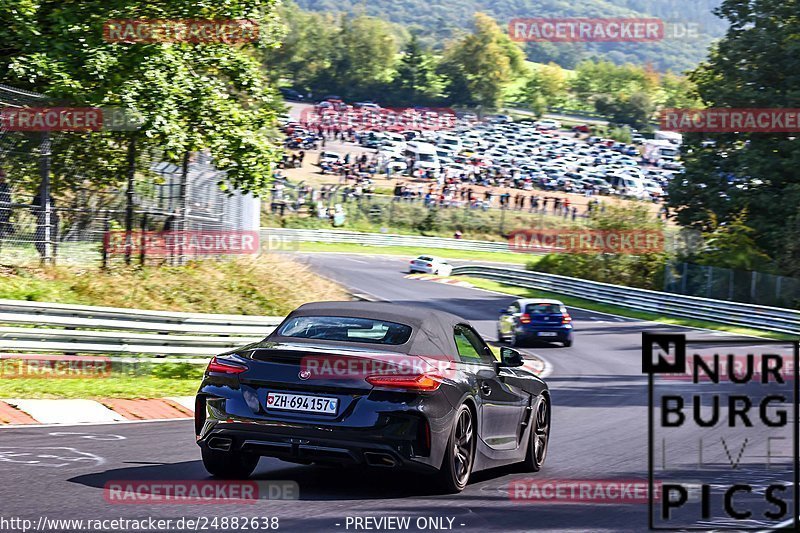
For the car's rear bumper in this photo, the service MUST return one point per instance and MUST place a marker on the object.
(549, 334)
(377, 432)
(294, 446)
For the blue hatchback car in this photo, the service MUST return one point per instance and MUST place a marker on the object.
(535, 319)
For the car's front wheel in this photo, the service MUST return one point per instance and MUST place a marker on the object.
(229, 465)
(460, 453)
(540, 437)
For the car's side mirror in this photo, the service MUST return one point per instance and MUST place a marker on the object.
(510, 357)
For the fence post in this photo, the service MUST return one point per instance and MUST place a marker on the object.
(683, 277)
(753, 279)
(709, 277)
(730, 284)
(142, 239)
(778, 290)
(129, 195)
(44, 198)
(106, 240)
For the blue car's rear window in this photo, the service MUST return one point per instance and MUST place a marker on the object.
(349, 329)
(543, 309)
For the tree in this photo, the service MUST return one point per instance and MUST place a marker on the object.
(756, 65)
(189, 96)
(415, 79)
(731, 245)
(635, 110)
(479, 65)
(546, 87)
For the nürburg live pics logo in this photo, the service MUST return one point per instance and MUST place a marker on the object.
(722, 432)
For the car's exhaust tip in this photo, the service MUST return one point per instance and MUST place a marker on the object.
(220, 443)
(379, 459)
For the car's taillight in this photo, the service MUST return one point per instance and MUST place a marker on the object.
(525, 319)
(419, 382)
(225, 367)
(566, 319)
(429, 265)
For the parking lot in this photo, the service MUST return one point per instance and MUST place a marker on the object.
(498, 154)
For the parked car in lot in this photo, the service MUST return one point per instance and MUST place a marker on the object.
(420, 391)
(291, 94)
(428, 264)
(535, 319)
(547, 124)
(329, 157)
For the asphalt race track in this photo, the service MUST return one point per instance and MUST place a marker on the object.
(599, 432)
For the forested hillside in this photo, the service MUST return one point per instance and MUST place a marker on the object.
(441, 19)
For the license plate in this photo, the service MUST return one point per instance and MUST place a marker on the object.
(547, 333)
(302, 402)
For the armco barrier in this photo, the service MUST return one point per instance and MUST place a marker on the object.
(731, 313)
(379, 239)
(66, 328)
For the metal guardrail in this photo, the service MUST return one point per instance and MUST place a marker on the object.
(380, 239)
(731, 313)
(66, 328)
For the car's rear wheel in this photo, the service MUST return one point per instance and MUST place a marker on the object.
(229, 465)
(460, 453)
(515, 341)
(500, 336)
(540, 437)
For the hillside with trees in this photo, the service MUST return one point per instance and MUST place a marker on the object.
(441, 20)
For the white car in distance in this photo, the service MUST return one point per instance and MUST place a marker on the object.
(428, 264)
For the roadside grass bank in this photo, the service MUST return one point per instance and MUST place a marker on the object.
(268, 285)
(111, 387)
(385, 214)
(571, 301)
(414, 251)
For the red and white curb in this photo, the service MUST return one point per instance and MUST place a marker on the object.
(439, 279)
(23, 412)
(538, 366)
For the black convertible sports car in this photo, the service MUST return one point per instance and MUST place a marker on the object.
(375, 384)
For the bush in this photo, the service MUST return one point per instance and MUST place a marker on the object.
(178, 371)
(644, 271)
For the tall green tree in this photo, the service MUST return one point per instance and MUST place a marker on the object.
(190, 96)
(756, 65)
(546, 87)
(479, 65)
(415, 81)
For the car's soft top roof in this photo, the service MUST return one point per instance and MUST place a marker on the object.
(432, 329)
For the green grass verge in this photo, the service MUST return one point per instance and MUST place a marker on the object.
(413, 251)
(267, 285)
(621, 311)
(110, 387)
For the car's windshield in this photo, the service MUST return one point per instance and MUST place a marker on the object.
(336, 328)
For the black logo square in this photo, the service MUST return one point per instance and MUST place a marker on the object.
(669, 351)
